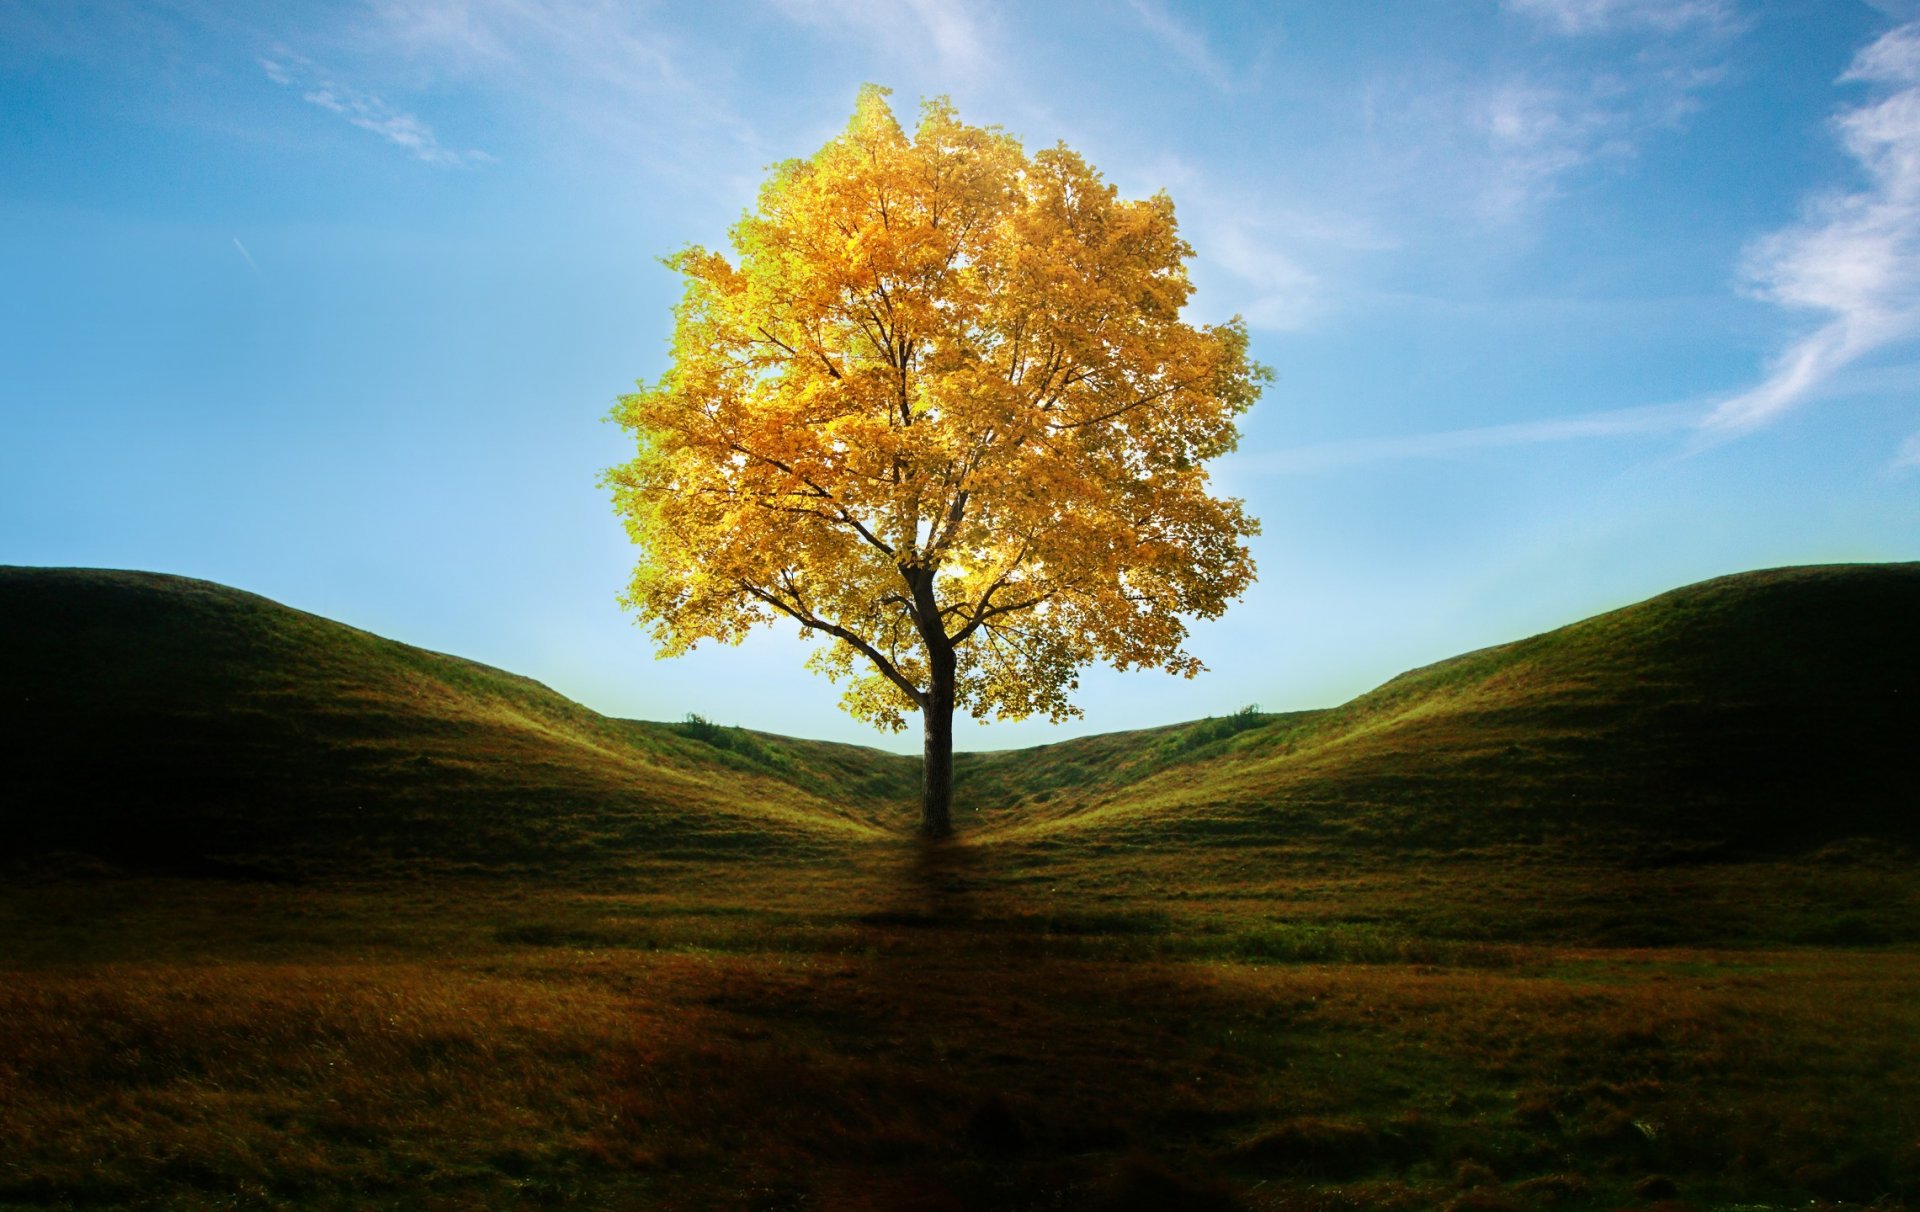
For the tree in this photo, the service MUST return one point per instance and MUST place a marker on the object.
(942, 411)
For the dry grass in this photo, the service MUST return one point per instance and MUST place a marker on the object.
(893, 1032)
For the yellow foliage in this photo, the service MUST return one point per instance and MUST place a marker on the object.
(941, 406)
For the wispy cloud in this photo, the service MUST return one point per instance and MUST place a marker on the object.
(1257, 255)
(1577, 17)
(366, 111)
(1183, 42)
(1909, 453)
(1278, 293)
(1539, 134)
(1854, 256)
(951, 29)
(605, 75)
(1534, 136)
(1498, 144)
(1536, 131)
(463, 32)
(602, 46)
(247, 256)
(1453, 443)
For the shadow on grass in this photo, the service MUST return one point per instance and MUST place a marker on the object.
(962, 1027)
(961, 1053)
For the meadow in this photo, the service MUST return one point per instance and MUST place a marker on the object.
(1425, 950)
(969, 1028)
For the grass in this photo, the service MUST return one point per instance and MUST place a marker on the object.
(1764, 713)
(161, 723)
(177, 725)
(898, 1031)
(1622, 916)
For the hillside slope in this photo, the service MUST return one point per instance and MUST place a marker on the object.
(1758, 711)
(160, 722)
(164, 722)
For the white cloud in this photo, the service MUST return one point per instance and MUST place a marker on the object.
(1854, 257)
(1534, 136)
(1452, 443)
(1185, 44)
(1499, 147)
(1533, 133)
(247, 256)
(956, 34)
(1577, 17)
(604, 73)
(1278, 293)
(367, 111)
(1909, 453)
(951, 29)
(1893, 58)
(603, 46)
(461, 31)
(1254, 254)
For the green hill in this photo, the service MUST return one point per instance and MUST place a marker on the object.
(161, 722)
(169, 723)
(1575, 923)
(1768, 710)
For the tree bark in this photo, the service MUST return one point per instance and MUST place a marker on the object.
(936, 769)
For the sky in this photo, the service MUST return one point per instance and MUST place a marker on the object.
(1569, 302)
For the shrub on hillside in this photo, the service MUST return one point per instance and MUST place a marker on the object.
(1210, 731)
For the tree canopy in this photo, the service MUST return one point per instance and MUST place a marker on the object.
(941, 409)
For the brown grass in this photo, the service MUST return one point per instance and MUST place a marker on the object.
(893, 1032)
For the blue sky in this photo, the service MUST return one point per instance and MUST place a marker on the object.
(1570, 301)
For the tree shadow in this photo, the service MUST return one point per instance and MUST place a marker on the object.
(973, 1047)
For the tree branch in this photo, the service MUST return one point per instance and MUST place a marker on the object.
(1142, 402)
(980, 616)
(806, 618)
(845, 516)
(956, 513)
(777, 341)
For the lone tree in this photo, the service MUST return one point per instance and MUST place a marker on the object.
(942, 410)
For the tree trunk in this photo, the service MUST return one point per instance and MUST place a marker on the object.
(936, 768)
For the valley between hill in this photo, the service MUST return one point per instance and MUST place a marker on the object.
(162, 723)
(1623, 915)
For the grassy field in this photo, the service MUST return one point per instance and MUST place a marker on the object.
(971, 1028)
(1622, 916)
(163, 723)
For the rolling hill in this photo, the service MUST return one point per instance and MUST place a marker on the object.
(157, 721)
(1756, 712)
(160, 722)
